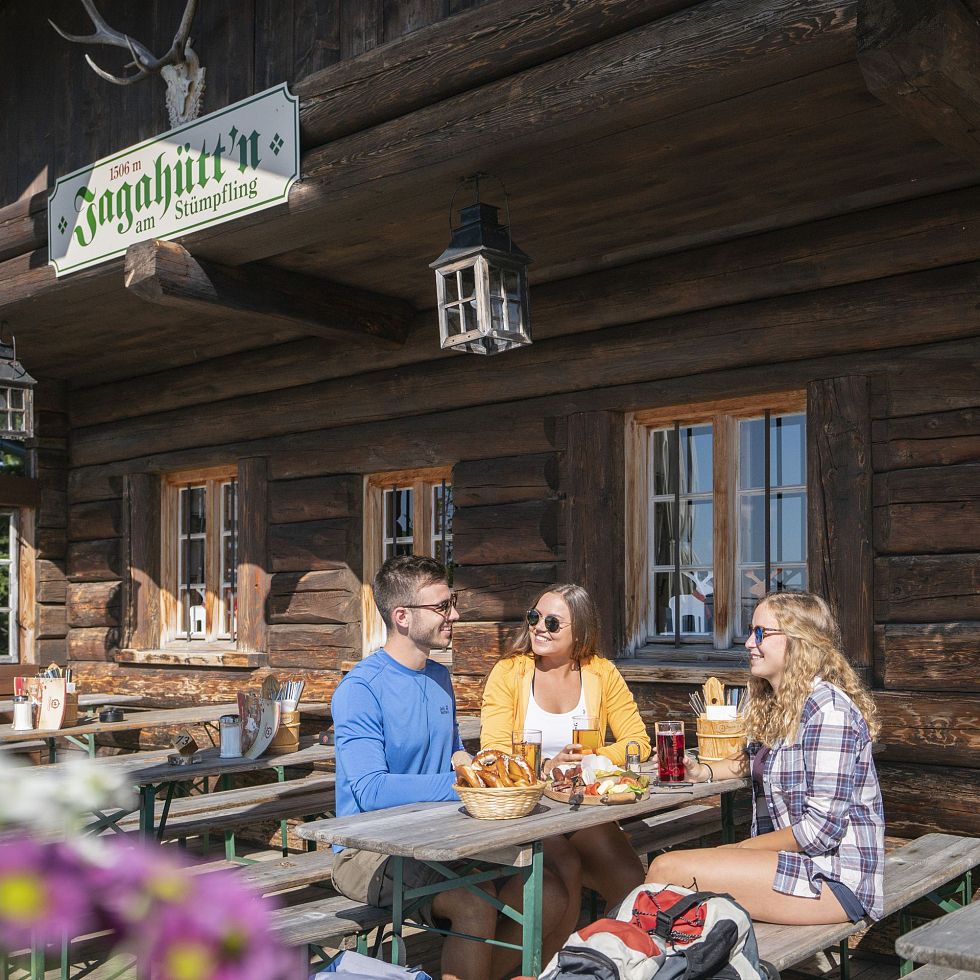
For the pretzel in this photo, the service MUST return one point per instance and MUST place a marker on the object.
(468, 776)
(520, 771)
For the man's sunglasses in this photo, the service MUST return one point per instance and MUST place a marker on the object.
(442, 608)
(760, 633)
(551, 623)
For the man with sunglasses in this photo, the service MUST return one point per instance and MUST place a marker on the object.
(397, 741)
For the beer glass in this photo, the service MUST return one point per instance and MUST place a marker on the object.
(585, 732)
(527, 744)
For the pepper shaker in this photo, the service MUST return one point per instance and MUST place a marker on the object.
(633, 756)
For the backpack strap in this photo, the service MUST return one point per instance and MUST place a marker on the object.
(666, 918)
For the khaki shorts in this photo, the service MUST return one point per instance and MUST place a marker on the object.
(364, 876)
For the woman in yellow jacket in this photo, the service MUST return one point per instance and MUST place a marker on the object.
(552, 674)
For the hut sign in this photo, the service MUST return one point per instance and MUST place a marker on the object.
(242, 158)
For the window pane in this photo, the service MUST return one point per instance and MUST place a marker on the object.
(229, 507)
(787, 527)
(5, 520)
(5, 634)
(661, 443)
(752, 528)
(663, 532)
(752, 454)
(752, 587)
(469, 316)
(4, 592)
(194, 554)
(787, 450)
(695, 607)
(454, 321)
(662, 592)
(695, 536)
(452, 287)
(230, 610)
(192, 611)
(696, 459)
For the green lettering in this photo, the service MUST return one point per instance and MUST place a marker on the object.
(85, 196)
(124, 207)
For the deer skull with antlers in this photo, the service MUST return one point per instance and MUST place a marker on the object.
(180, 67)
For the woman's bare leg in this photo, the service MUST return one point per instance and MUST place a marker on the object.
(746, 875)
(610, 866)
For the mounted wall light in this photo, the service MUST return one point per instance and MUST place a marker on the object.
(16, 393)
(481, 281)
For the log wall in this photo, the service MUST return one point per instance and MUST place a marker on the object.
(889, 356)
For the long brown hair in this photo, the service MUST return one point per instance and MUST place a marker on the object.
(585, 624)
(812, 650)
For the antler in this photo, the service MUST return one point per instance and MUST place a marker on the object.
(143, 60)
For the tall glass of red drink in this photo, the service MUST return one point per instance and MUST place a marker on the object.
(670, 751)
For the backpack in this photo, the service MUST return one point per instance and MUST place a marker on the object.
(666, 932)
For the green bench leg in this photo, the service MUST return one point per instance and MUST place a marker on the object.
(283, 829)
(533, 901)
(397, 907)
(37, 961)
(845, 960)
(230, 854)
(728, 818)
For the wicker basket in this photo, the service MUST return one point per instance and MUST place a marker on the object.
(500, 802)
(720, 740)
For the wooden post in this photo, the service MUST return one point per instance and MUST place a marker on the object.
(141, 529)
(253, 568)
(839, 509)
(595, 536)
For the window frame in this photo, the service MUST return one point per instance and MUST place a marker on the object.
(724, 416)
(13, 653)
(421, 481)
(171, 634)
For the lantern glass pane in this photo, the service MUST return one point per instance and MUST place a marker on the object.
(470, 319)
(16, 397)
(17, 422)
(451, 284)
(454, 321)
(497, 322)
(4, 392)
(467, 283)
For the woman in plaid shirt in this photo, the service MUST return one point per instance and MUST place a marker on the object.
(816, 854)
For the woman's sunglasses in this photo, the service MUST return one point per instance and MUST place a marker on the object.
(551, 623)
(759, 633)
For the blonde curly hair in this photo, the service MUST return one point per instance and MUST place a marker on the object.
(812, 650)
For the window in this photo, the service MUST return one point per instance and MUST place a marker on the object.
(8, 587)
(409, 512)
(720, 511)
(200, 544)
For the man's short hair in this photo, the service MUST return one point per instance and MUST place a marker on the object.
(401, 578)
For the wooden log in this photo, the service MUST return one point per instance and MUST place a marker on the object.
(317, 499)
(52, 543)
(929, 657)
(95, 643)
(310, 545)
(928, 527)
(501, 592)
(313, 647)
(143, 515)
(839, 511)
(930, 729)
(165, 273)
(94, 603)
(843, 320)
(329, 606)
(478, 646)
(506, 480)
(51, 622)
(928, 799)
(52, 592)
(25, 491)
(164, 688)
(94, 484)
(24, 225)
(326, 580)
(927, 440)
(90, 521)
(927, 589)
(937, 230)
(922, 58)
(52, 504)
(596, 518)
(453, 55)
(95, 561)
(939, 380)
(495, 535)
(254, 568)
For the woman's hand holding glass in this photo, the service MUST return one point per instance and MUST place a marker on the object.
(570, 755)
(694, 771)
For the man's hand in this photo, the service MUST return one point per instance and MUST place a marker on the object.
(460, 758)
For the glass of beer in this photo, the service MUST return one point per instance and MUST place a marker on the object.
(585, 732)
(527, 744)
(670, 751)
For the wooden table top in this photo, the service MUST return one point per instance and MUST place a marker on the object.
(87, 701)
(445, 832)
(951, 940)
(153, 718)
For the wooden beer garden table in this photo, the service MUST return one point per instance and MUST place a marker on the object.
(439, 833)
(200, 714)
(86, 701)
(953, 940)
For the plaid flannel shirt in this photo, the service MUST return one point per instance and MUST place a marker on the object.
(824, 786)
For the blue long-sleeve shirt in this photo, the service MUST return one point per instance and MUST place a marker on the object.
(395, 731)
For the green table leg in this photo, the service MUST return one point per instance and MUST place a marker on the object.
(37, 961)
(52, 750)
(533, 910)
(148, 799)
(728, 818)
(65, 965)
(397, 907)
(283, 828)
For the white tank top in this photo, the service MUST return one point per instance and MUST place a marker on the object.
(556, 729)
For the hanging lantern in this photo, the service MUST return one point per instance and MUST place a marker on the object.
(16, 394)
(481, 283)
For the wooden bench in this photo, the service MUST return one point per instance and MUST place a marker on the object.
(662, 830)
(933, 972)
(931, 867)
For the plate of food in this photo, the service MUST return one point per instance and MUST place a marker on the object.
(607, 787)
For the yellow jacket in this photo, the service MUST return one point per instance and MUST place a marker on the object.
(508, 692)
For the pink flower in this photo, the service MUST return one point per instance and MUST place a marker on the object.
(44, 893)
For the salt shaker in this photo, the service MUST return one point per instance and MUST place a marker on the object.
(633, 756)
(23, 713)
(231, 736)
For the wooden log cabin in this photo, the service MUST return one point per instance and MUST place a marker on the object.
(755, 227)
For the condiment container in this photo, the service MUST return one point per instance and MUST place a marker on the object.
(23, 713)
(230, 727)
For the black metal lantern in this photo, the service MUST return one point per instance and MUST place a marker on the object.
(481, 283)
(16, 394)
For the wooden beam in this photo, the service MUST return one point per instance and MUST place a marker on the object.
(253, 554)
(167, 274)
(922, 58)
